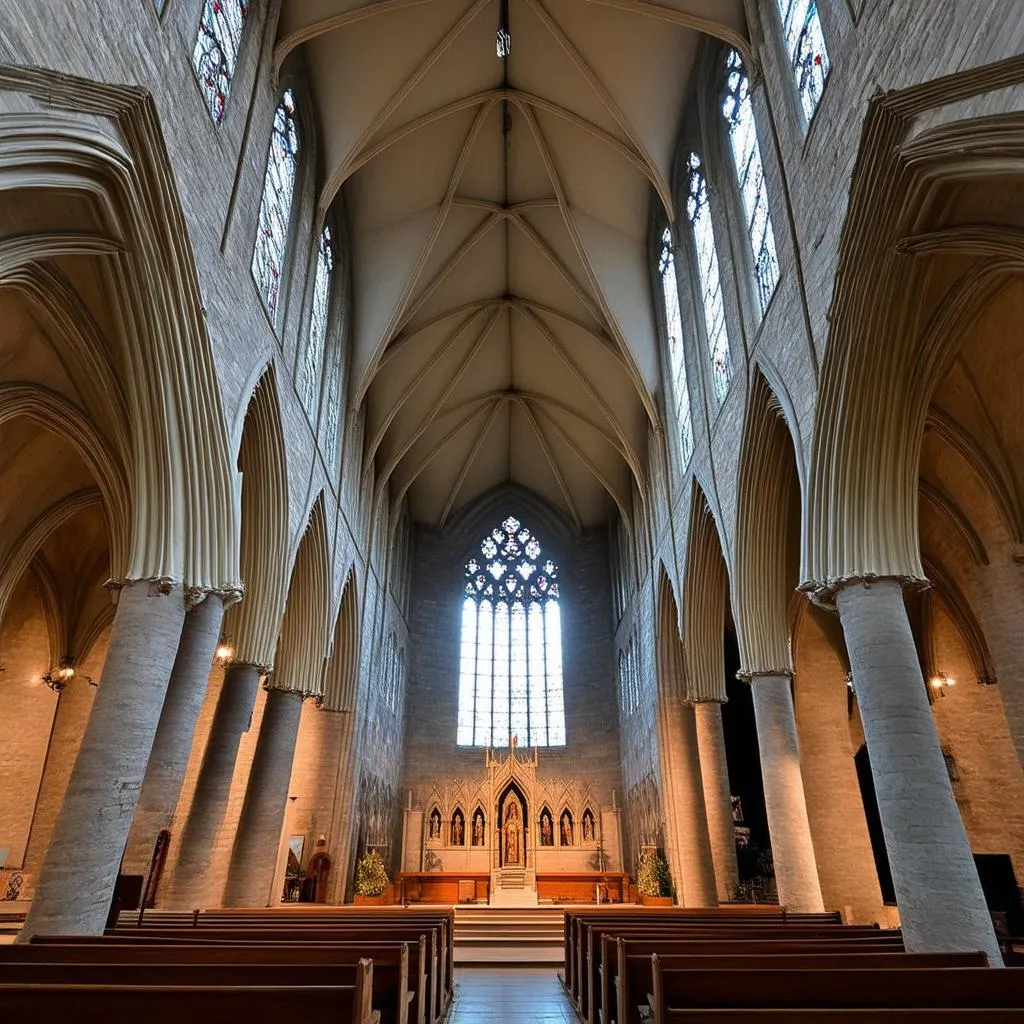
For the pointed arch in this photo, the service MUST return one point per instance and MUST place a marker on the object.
(342, 676)
(767, 533)
(253, 624)
(302, 647)
(705, 594)
(671, 667)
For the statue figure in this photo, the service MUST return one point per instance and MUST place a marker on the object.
(546, 836)
(478, 829)
(435, 824)
(512, 843)
(566, 828)
(588, 827)
(457, 829)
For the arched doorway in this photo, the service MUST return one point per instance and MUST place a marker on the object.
(512, 819)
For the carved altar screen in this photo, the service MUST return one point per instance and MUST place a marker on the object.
(510, 676)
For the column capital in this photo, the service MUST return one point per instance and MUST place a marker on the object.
(823, 592)
(752, 675)
(228, 595)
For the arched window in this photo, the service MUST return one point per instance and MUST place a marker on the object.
(739, 115)
(332, 414)
(309, 381)
(805, 44)
(215, 54)
(710, 281)
(276, 205)
(674, 327)
(510, 678)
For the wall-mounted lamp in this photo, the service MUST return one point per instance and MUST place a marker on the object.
(225, 652)
(940, 683)
(58, 678)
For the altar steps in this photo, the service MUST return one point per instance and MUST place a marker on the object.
(506, 936)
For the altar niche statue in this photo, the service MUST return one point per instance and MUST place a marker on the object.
(513, 832)
(547, 833)
(458, 830)
(435, 824)
(478, 828)
(588, 826)
(566, 829)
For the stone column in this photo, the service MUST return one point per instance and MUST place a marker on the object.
(80, 868)
(258, 839)
(687, 816)
(165, 773)
(191, 885)
(714, 772)
(796, 872)
(941, 903)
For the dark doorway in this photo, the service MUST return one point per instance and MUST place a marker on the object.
(744, 761)
(874, 822)
(999, 884)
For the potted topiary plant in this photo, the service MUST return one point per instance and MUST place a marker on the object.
(653, 881)
(371, 880)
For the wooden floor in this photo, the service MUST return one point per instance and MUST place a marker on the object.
(487, 995)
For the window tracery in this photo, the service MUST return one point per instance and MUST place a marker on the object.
(739, 116)
(215, 55)
(674, 328)
(276, 205)
(318, 320)
(510, 677)
(808, 56)
(699, 212)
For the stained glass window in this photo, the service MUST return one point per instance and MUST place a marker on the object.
(739, 115)
(309, 381)
(710, 281)
(215, 54)
(805, 43)
(333, 410)
(276, 205)
(674, 326)
(510, 663)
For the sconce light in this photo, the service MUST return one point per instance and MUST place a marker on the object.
(58, 678)
(940, 683)
(225, 652)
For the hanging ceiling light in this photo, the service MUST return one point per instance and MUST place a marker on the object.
(504, 41)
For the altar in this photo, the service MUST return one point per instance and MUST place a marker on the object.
(510, 838)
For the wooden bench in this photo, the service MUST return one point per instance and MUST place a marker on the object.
(677, 992)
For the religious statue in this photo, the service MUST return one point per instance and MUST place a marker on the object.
(566, 828)
(458, 834)
(547, 837)
(513, 831)
(435, 824)
(478, 828)
(588, 827)
(511, 844)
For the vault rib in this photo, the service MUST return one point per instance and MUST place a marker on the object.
(545, 447)
(460, 479)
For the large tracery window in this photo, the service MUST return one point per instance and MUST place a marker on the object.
(276, 205)
(710, 281)
(510, 676)
(805, 43)
(309, 382)
(215, 54)
(674, 327)
(739, 115)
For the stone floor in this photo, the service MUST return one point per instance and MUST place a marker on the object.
(485, 995)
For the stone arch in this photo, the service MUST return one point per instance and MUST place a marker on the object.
(342, 678)
(672, 682)
(302, 647)
(183, 524)
(567, 828)
(767, 529)
(457, 827)
(478, 838)
(253, 624)
(545, 831)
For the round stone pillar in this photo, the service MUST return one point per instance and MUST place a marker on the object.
(80, 868)
(258, 839)
(796, 872)
(168, 760)
(941, 904)
(714, 773)
(687, 816)
(191, 885)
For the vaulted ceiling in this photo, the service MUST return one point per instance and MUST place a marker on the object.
(498, 211)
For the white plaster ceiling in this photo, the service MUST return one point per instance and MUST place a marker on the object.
(498, 211)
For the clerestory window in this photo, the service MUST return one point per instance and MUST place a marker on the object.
(510, 672)
(309, 380)
(215, 55)
(676, 356)
(805, 44)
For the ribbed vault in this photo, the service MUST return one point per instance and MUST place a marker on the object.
(503, 327)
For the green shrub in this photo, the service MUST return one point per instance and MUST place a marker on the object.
(371, 878)
(653, 877)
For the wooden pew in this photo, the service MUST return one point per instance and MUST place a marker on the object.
(634, 970)
(398, 1001)
(678, 992)
(171, 1004)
